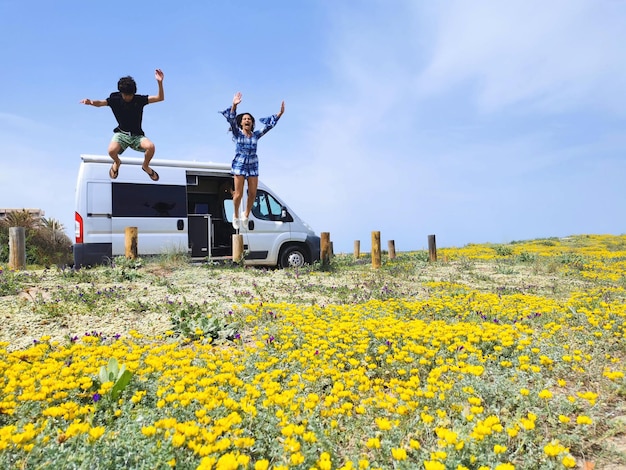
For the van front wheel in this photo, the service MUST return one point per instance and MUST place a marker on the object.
(293, 257)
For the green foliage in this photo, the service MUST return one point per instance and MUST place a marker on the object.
(526, 257)
(420, 256)
(45, 239)
(503, 250)
(9, 282)
(196, 321)
(124, 269)
(57, 301)
(120, 377)
(575, 261)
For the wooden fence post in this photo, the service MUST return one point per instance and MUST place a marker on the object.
(130, 242)
(237, 247)
(432, 248)
(376, 250)
(357, 249)
(392, 249)
(17, 248)
(325, 248)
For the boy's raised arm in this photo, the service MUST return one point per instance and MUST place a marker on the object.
(158, 74)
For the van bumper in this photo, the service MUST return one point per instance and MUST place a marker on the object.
(92, 254)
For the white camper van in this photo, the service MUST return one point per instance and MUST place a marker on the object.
(189, 209)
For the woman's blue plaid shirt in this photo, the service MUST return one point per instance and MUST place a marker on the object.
(247, 145)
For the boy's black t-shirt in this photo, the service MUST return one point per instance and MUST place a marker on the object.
(128, 115)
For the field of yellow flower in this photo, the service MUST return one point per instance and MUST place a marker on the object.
(495, 357)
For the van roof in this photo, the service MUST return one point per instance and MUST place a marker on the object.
(159, 162)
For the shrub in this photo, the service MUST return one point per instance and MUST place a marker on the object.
(46, 241)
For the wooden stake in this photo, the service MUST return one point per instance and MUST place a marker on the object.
(392, 249)
(357, 249)
(432, 248)
(237, 247)
(376, 250)
(325, 248)
(17, 248)
(131, 235)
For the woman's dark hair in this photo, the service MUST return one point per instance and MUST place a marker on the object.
(127, 85)
(240, 117)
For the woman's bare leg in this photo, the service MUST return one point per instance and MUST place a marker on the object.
(253, 183)
(238, 192)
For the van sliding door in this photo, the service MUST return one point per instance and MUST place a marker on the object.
(159, 211)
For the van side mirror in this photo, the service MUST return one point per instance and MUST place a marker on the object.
(285, 216)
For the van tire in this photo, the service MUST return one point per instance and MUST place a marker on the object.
(293, 256)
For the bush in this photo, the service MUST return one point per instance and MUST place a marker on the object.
(46, 241)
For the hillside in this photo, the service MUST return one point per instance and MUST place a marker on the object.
(501, 354)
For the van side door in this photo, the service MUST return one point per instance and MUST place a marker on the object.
(159, 211)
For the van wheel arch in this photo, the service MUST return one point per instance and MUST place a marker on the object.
(293, 255)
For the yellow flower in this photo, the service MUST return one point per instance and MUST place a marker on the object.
(96, 432)
(498, 449)
(545, 394)
(474, 401)
(227, 462)
(178, 439)
(433, 465)
(262, 464)
(296, 458)
(505, 466)
(582, 419)
(554, 449)
(568, 461)
(148, 431)
(373, 443)
(564, 419)
(398, 454)
(383, 424)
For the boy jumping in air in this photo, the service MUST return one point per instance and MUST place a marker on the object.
(127, 108)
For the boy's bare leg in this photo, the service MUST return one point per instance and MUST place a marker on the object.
(149, 149)
(114, 153)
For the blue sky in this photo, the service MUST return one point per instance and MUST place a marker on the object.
(477, 121)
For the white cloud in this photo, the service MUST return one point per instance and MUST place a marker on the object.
(554, 55)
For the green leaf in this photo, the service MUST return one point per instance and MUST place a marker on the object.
(103, 375)
(121, 384)
(113, 367)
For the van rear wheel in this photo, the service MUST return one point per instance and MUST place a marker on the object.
(293, 257)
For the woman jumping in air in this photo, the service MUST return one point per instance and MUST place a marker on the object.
(246, 162)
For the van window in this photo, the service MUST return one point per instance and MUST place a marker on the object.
(148, 200)
(98, 199)
(229, 209)
(266, 206)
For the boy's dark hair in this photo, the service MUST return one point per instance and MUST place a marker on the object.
(127, 85)
(240, 117)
